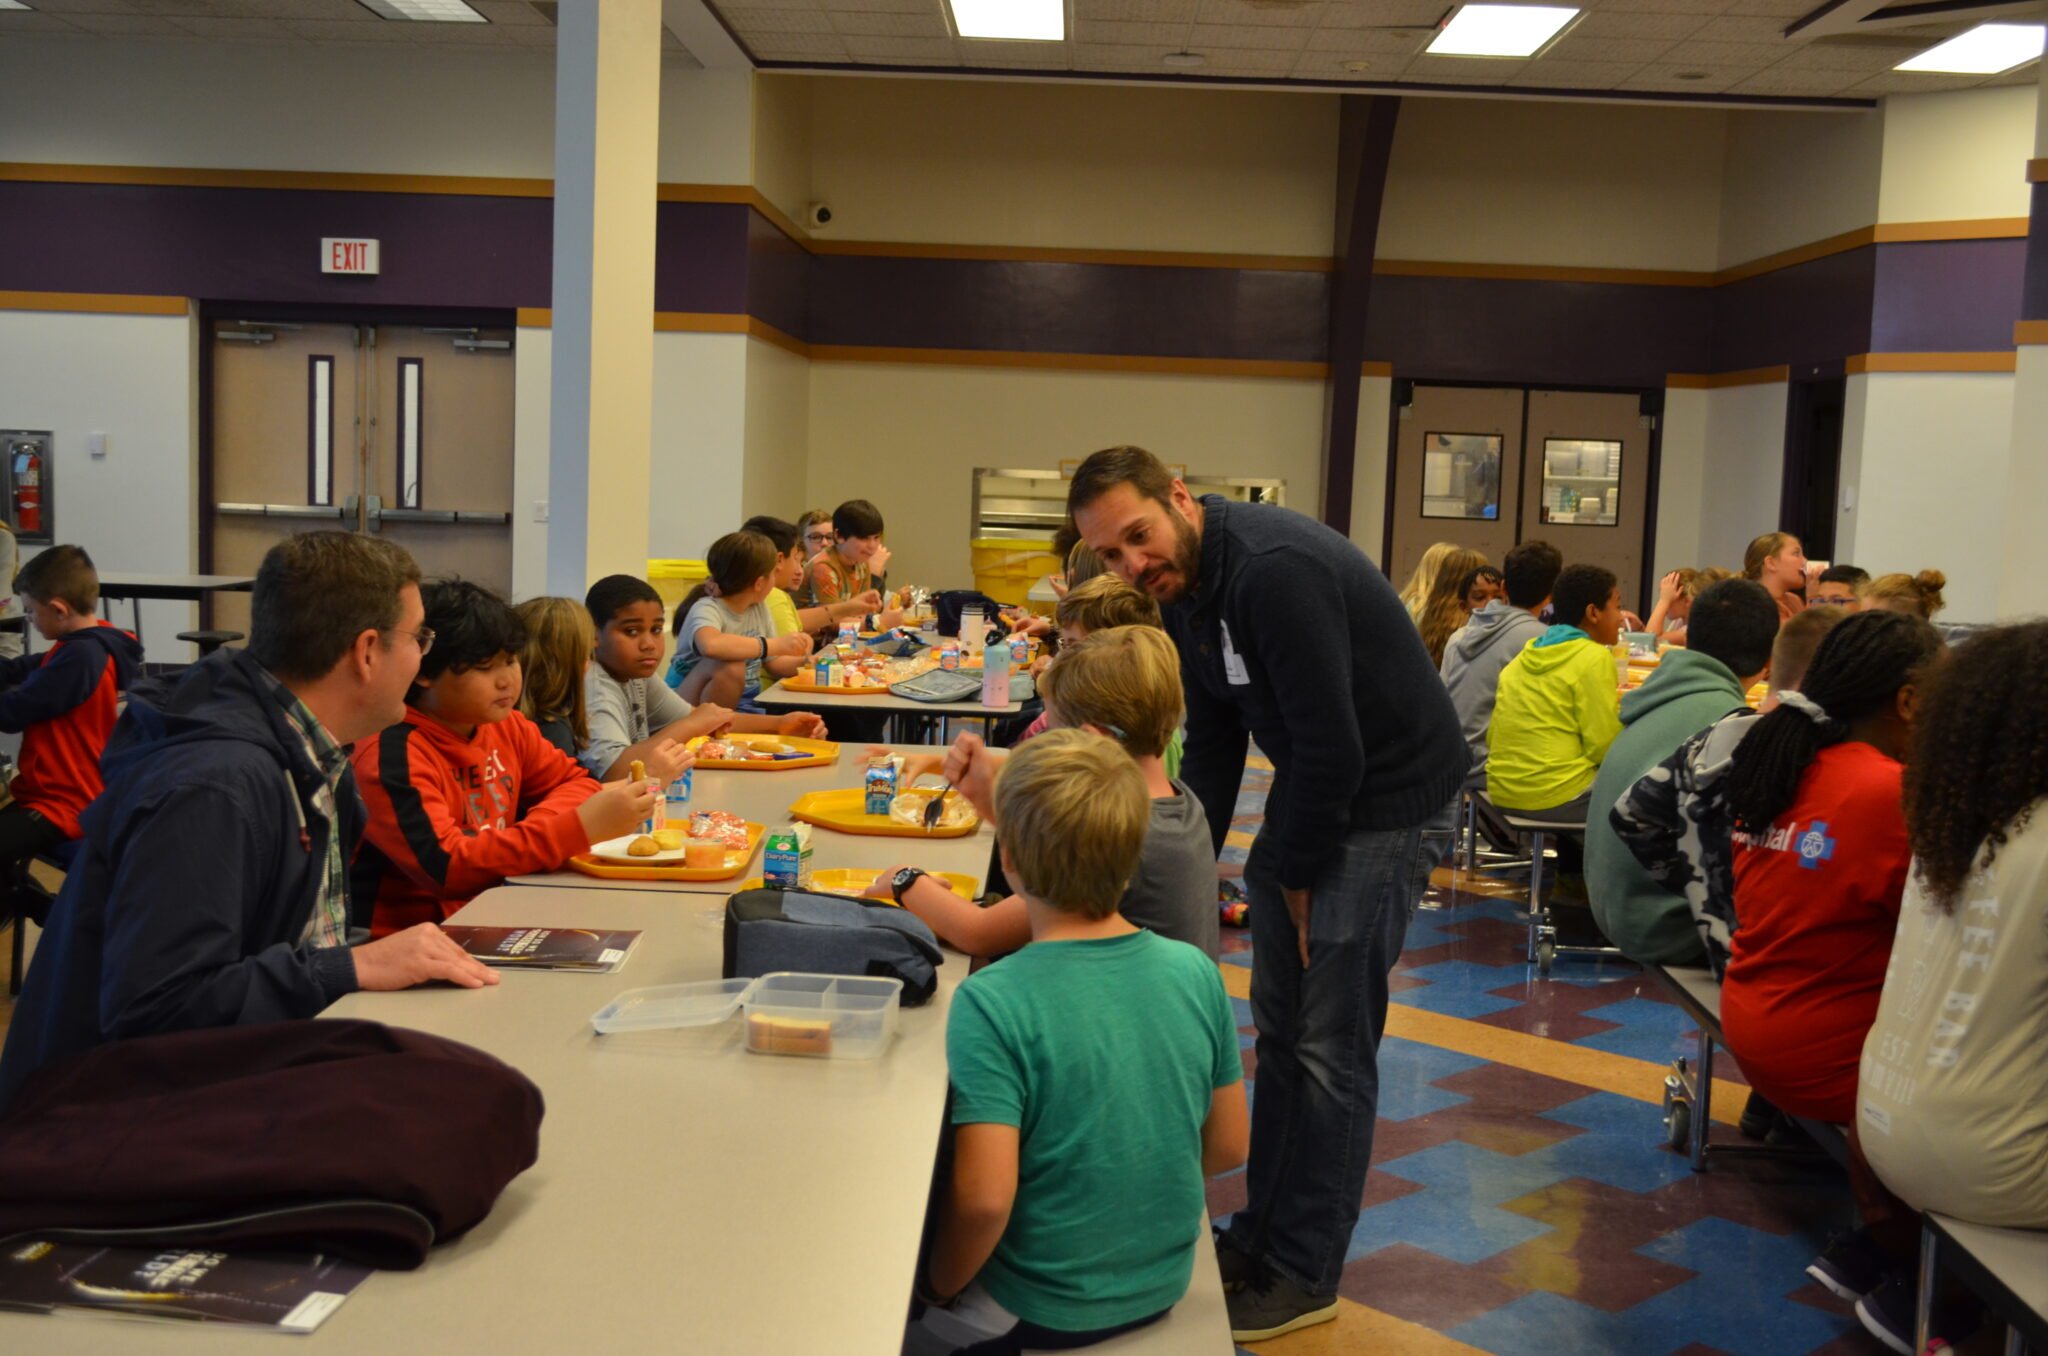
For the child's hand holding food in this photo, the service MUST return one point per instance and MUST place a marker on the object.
(666, 761)
(708, 718)
(617, 809)
(795, 645)
(802, 724)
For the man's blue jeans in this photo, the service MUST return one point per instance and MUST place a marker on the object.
(1316, 1089)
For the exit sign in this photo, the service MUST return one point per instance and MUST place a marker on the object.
(348, 256)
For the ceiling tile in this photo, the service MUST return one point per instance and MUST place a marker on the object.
(796, 46)
(1748, 55)
(869, 6)
(511, 13)
(2026, 75)
(1666, 77)
(1557, 74)
(1741, 28)
(1366, 40)
(1636, 51)
(1246, 37)
(789, 21)
(1609, 24)
(1846, 56)
(1445, 70)
(465, 35)
(902, 51)
(14, 21)
(237, 30)
(926, 25)
(1778, 80)
(1386, 14)
(1265, 61)
(1099, 32)
(1330, 65)
(126, 26)
(1017, 56)
(1774, 9)
(1137, 11)
(1089, 56)
(69, 7)
(328, 30)
(1910, 82)
(1274, 13)
(1706, 8)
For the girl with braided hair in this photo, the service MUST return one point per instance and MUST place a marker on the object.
(1953, 1102)
(1820, 862)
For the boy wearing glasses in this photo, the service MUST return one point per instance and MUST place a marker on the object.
(211, 886)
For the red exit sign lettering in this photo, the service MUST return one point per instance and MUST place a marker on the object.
(348, 256)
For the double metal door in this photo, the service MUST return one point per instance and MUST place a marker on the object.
(404, 431)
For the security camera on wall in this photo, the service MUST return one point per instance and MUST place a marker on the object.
(818, 215)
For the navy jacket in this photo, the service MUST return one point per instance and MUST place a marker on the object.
(194, 880)
(1293, 638)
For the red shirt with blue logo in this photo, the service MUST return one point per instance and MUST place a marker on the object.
(1816, 904)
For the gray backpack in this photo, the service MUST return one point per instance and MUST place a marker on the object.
(821, 934)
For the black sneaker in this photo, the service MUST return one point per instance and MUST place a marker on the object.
(1758, 1116)
(1272, 1305)
(1890, 1312)
(1850, 1266)
(1238, 1269)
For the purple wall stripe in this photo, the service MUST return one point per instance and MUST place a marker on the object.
(261, 246)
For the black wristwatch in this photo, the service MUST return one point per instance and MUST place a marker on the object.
(904, 879)
(764, 647)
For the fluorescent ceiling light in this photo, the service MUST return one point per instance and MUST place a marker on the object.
(425, 11)
(1500, 30)
(1986, 49)
(1018, 20)
(13, 4)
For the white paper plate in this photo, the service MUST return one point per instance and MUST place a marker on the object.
(614, 850)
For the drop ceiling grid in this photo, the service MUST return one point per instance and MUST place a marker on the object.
(1695, 46)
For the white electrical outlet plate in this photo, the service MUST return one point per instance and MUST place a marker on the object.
(96, 444)
(540, 510)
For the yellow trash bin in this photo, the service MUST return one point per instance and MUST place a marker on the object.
(673, 580)
(1005, 568)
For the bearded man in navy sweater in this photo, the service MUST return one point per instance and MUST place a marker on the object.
(1288, 635)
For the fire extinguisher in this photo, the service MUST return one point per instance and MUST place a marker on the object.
(28, 491)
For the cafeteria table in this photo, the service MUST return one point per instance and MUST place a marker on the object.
(689, 1196)
(765, 798)
(901, 711)
(183, 588)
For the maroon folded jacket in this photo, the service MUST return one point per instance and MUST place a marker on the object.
(345, 1137)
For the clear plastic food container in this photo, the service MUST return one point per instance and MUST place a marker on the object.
(668, 1007)
(821, 1016)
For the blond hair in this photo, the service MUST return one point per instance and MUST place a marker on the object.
(1106, 601)
(1072, 811)
(559, 641)
(1126, 680)
(1916, 595)
(1416, 591)
(1082, 565)
(1692, 583)
(1798, 638)
(1761, 550)
(1443, 608)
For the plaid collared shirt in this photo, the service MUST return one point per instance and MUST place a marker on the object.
(328, 925)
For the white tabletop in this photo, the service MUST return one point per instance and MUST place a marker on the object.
(779, 698)
(765, 798)
(690, 1197)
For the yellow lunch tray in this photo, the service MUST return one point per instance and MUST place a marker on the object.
(605, 868)
(846, 811)
(852, 881)
(804, 684)
(823, 753)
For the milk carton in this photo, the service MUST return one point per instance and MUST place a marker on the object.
(786, 858)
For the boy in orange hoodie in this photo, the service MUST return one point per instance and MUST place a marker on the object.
(466, 791)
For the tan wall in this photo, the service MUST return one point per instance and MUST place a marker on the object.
(908, 437)
(782, 141)
(1790, 179)
(1957, 156)
(958, 162)
(1488, 181)
(778, 433)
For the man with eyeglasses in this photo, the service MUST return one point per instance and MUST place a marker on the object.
(211, 884)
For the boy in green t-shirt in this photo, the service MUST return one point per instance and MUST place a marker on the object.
(1096, 1082)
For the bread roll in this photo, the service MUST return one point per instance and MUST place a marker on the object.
(643, 846)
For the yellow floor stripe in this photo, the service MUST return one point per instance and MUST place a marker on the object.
(1637, 1079)
(1358, 1329)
